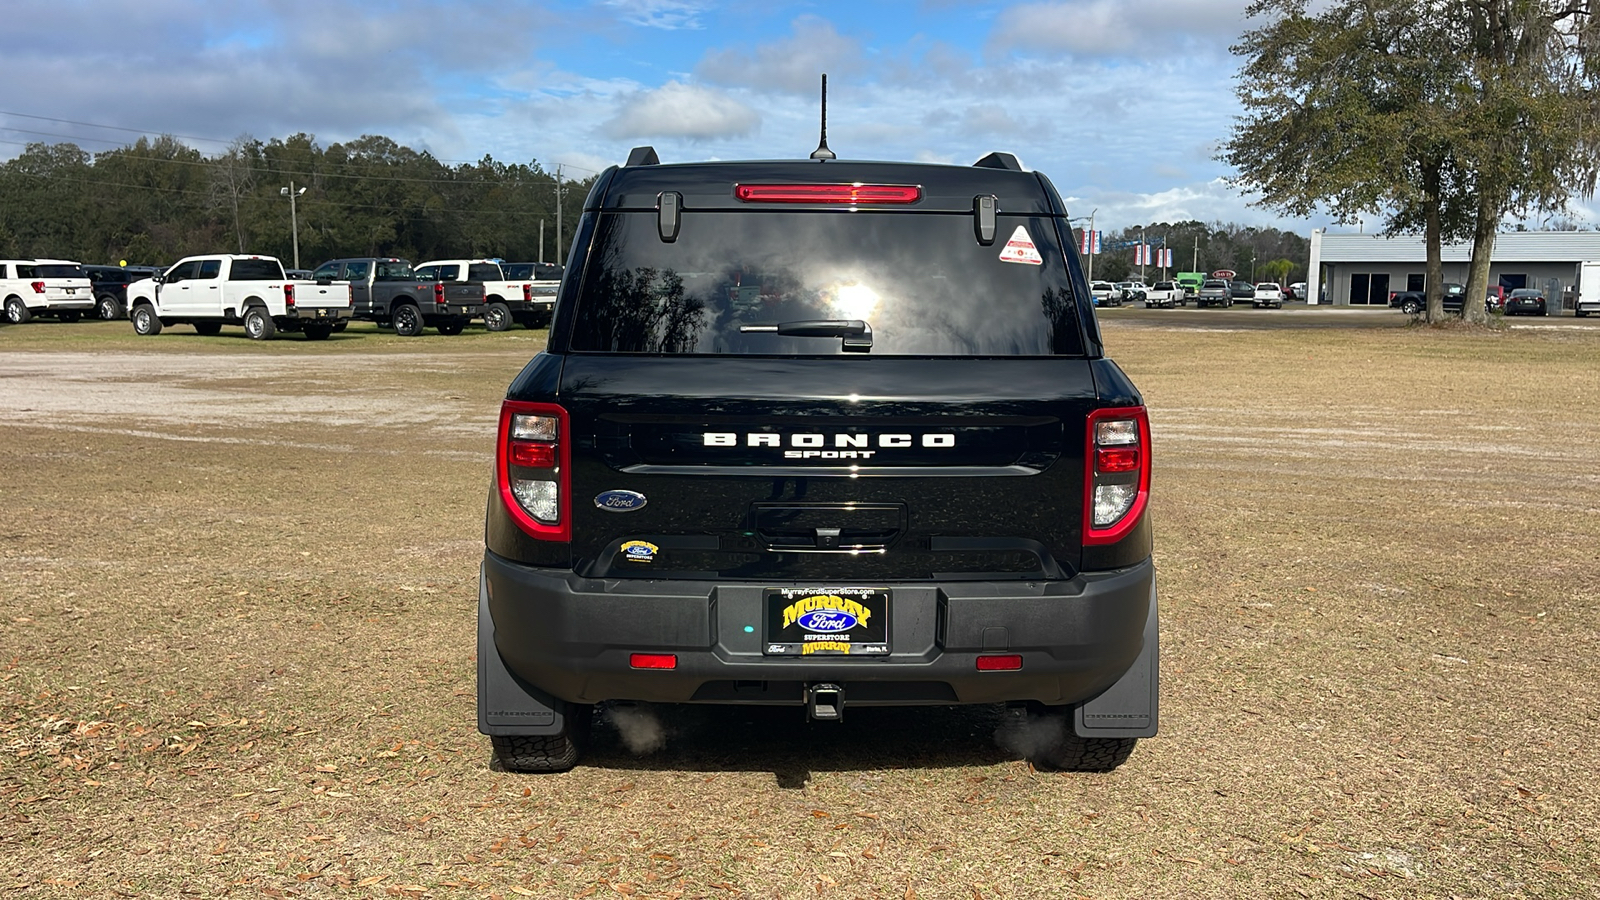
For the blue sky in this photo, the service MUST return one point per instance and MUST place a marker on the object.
(1122, 104)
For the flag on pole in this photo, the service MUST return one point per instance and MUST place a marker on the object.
(1166, 259)
(1090, 242)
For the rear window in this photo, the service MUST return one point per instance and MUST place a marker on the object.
(922, 282)
(484, 272)
(255, 270)
(393, 270)
(57, 270)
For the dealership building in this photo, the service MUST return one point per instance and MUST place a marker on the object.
(1362, 269)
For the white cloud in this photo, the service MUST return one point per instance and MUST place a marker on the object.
(669, 15)
(794, 64)
(1154, 29)
(678, 110)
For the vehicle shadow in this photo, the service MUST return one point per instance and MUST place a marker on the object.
(779, 739)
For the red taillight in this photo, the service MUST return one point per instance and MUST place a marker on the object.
(653, 660)
(533, 462)
(530, 455)
(38, 287)
(438, 293)
(1003, 663)
(527, 293)
(288, 295)
(350, 295)
(856, 194)
(1116, 484)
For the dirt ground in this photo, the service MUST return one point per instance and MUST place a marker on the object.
(238, 587)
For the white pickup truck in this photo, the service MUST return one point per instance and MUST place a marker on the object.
(502, 296)
(50, 287)
(209, 292)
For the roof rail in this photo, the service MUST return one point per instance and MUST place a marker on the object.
(1000, 160)
(643, 156)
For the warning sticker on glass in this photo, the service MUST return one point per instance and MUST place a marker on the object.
(1020, 249)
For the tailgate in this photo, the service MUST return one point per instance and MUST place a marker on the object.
(863, 469)
(310, 294)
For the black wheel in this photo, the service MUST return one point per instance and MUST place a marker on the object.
(1410, 307)
(208, 328)
(71, 316)
(546, 753)
(497, 317)
(145, 320)
(407, 320)
(17, 311)
(341, 325)
(1044, 735)
(258, 325)
(317, 331)
(108, 307)
(452, 327)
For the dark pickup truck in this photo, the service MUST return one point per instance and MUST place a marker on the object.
(828, 435)
(388, 292)
(1414, 302)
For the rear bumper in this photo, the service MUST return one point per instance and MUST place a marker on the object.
(328, 313)
(571, 638)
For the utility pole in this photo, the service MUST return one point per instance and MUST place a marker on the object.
(1144, 253)
(559, 257)
(294, 219)
(541, 240)
(1194, 264)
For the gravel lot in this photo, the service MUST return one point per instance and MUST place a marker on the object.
(238, 584)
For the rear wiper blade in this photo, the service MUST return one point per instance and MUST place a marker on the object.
(857, 334)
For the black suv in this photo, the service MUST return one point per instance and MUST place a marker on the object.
(822, 434)
(111, 287)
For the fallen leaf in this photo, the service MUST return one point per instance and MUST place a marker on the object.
(370, 880)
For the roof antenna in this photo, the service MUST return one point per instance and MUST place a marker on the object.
(822, 152)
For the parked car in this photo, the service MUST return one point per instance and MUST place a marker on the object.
(1241, 290)
(1215, 292)
(745, 493)
(504, 300)
(1527, 302)
(209, 292)
(544, 281)
(110, 285)
(44, 287)
(1497, 296)
(1414, 302)
(1101, 291)
(387, 292)
(1297, 291)
(1164, 294)
(1128, 292)
(1268, 294)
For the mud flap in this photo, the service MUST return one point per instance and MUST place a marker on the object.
(1128, 709)
(506, 704)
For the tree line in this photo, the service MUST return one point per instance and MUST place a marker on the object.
(1259, 254)
(156, 200)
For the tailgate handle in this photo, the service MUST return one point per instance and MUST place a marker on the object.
(828, 538)
(845, 527)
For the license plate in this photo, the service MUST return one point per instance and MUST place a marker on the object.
(826, 621)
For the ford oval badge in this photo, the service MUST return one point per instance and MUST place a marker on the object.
(827, 620)
(620, 501)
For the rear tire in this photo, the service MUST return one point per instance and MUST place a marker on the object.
(546, 753)
(208, 328)
(1045, 736)
(407, 320)
(145, 320)
(452, 327)
(497, 317)
(258, 325)
(108, 307)
(16, 311)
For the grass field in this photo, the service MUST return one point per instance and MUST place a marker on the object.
(238, 587)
